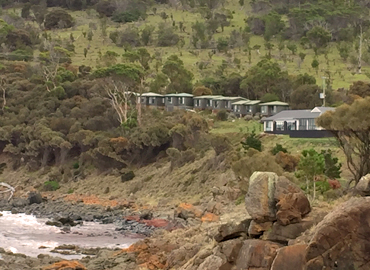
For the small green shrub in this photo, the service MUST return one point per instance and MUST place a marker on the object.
(252, 141)
(51, 186)
(278, 148)
(127, 176)
(70, 191)
(76, 165)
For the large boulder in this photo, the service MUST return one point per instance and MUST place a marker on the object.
(259, 200)
(257, 228)
(212, 263)
(34, 197)
(363, 186)
(272, 198)
(232, 230)
(342, 239)
(283, 234)
(256, 254)
(290, 257)
(231, 249)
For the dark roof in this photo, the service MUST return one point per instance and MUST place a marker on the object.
(292, 114)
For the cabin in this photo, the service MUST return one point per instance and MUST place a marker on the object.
(245, 107)
(152, 100)
(203, 102)
(273, 107)
(297, 123)
(224, 103)
(178, 101)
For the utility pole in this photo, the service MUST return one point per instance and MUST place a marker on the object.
(323, 89)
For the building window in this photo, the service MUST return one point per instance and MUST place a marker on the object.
(291, 125)
(181, 100)
(249, 109)
(169, 100)
(196, 102)
(238, 108)
(143, 100)
(311, 124)
(307, 124)
(152, 100)
(263, 109)
(227, 104)
(268, 126)
(274, 109)
(280, 125)
(216, 104)
(209, 103)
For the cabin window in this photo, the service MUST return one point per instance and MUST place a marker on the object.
(291, 125)
(263, 109)
(209, 103)
(181, 100)
(274, 109)
(280, 125)
(311, 124)
(249, 109)
(238, 108)
(268, 126)
(143, 100)
(216, 104)
(169, 100)
(152, 100)
(227, 104)
(196, 102)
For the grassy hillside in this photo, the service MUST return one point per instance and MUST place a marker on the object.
(341, 72)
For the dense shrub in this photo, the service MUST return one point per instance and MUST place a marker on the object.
(220, 144)
(256, 161)
(58, 19)
(51, 186)
(106, 8)
(252, 141)
(278, 148)
(127, 16)
(286, 161)
(221, 115)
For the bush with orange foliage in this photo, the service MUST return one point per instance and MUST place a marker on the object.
(119, 144)
(287, 161)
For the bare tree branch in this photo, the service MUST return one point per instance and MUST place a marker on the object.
(10, 189)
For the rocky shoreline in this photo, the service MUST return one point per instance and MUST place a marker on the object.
(67, 214)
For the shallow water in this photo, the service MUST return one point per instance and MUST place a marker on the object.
(21, 233)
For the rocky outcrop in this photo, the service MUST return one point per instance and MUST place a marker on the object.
(342, 239)
(283, 234)
(363, 186)
(290, 257)
(273, 198)
(66, 265)
(256, 254)
(232, 230)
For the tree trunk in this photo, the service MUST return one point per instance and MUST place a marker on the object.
(359, 71)
(45, 157)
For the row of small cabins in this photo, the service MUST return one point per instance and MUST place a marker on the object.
(238, 105)
(278, 119)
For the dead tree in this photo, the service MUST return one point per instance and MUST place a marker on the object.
(9, 189)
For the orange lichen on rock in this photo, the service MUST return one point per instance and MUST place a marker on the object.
(187, 207)
(209, 217)
(66, 265)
